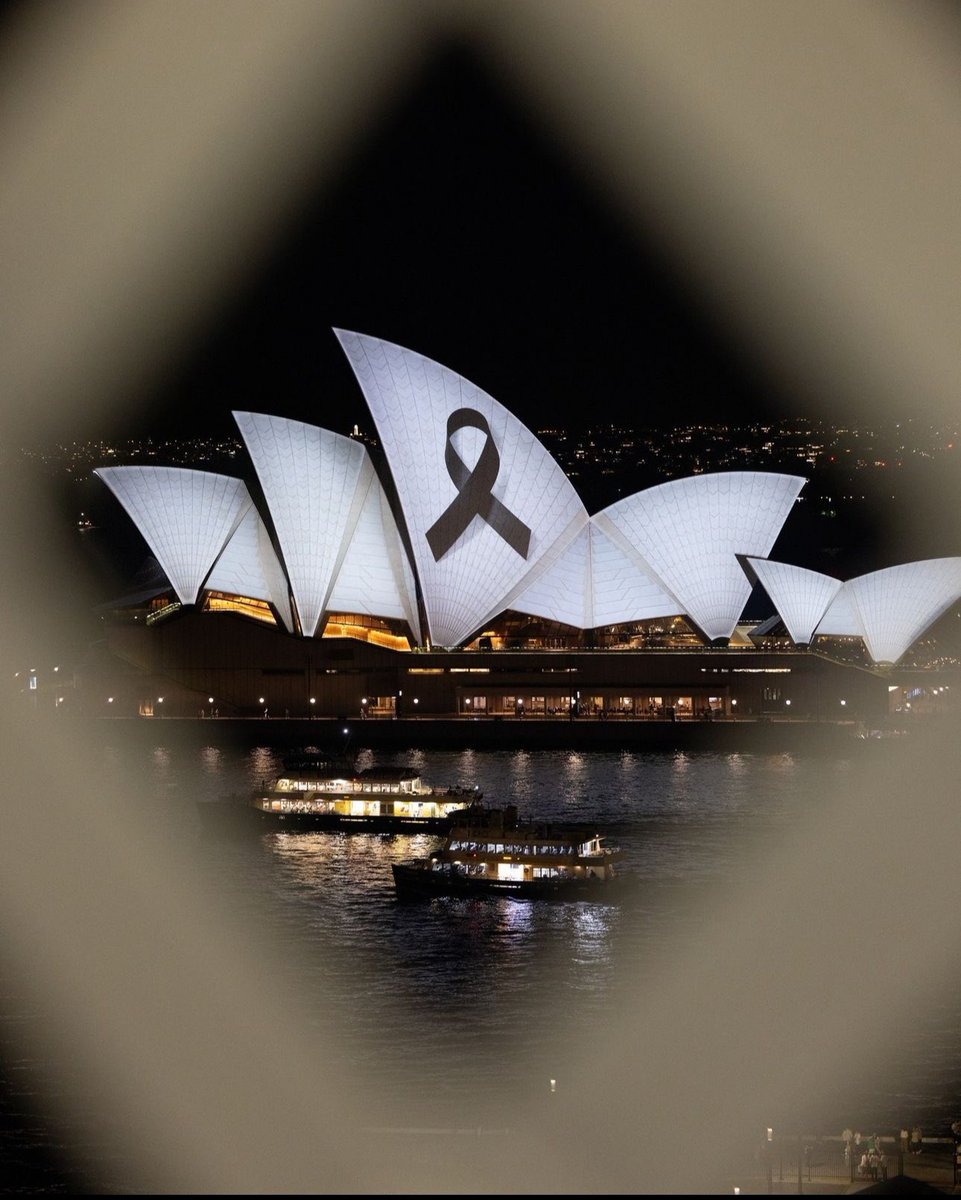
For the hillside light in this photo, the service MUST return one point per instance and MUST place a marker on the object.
(110, 699)
(787, 703)
(313, 700)
(843, 703)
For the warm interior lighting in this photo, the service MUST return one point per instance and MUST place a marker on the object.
(259, 610)
(363, 633)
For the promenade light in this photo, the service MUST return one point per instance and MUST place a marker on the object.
(210, 699)
(416, 701)
(787, 703)
(110, 699)
(313, 700)
(260, 699)
(843, 703)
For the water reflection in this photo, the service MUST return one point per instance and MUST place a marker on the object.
(429, 991)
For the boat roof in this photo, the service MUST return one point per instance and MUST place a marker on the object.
(478, 818)
(387, 773)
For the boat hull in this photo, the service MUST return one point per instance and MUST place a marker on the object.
(418, 883)
(218, 815)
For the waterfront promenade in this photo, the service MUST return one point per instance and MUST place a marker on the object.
(527, 733)
(818, 1165)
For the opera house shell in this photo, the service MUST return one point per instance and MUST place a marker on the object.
(470, 516)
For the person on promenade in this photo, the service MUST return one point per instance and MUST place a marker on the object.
(916, 1140)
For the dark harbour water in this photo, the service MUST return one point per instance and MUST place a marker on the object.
(452, 984)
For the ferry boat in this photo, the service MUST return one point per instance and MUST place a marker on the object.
(489, 853)
(320, 792)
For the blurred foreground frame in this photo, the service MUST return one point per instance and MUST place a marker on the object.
(816, 205)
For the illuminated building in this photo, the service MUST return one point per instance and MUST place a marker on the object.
(468, 536)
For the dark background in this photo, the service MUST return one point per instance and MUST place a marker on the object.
(462, 231)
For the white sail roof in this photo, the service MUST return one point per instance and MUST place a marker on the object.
(897, 604)
(563, 592)
(690, 531)
(487, 508)
(800, 596)
(840, 618)
(185, 517)
(315, 483)
(376, 577)
(625, 588)
(249, 566)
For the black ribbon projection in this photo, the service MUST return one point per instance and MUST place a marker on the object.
(474, 493)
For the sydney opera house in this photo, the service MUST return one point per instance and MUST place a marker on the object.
(460, 573)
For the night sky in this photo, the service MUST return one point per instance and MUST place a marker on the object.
(462, 230)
